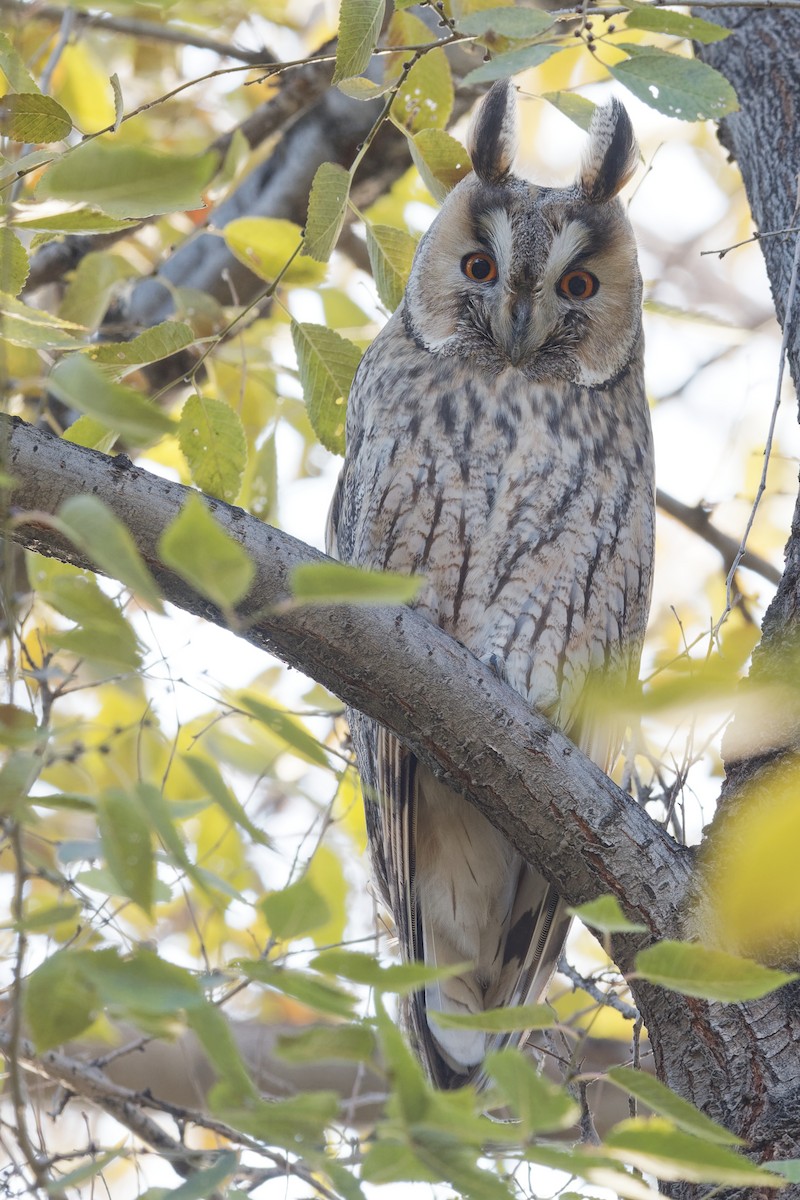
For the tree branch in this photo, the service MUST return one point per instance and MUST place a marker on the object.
(698, 518)
(560, 811)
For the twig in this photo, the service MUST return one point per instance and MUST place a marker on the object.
(610, 999)
(149, 30)
(697, 518)
(755, 238)
(762, 483)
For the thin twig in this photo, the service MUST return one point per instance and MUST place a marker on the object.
(610, 999)
(757, 237)
(697, 518)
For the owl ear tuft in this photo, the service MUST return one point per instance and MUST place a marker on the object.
(492, 138)
(612, 155)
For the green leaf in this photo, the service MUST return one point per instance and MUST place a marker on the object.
(14, 266)
(656, 1146)
(663, 1101)
(153, 804)
(605, 914)
(594, 1168)
(789, 1168)
(106, 636)
(312, 990)
(35, 328)
(55, 914)
(198, 549)
(696, 970)
(511, 63)
(129, 181)
(579, 110)
(510, 22)
(391, 252)
(60, 218)
(287, 728)
(18, 774)
(425, 98)
(664, 20)
(327, 206)
(212, 438)
(295, 911)
(323, 1043)
(18, 726)
(83, 385)
(127, 847)
(206, 1181)
(680, 87)
(162, 341)
(91, 287)
(363, 968)
(540, 1105)
(30, 117)
(441, 161)
(411, 1094)
(207, 773)
(60, 1002)
(92, 526)
(265, 245)
(359, 26)
(261, 489)
(395, 1162)
(327, 363)
(288, 1123)
(500, 1020)
(86, 431)
(339, 583)
(13, 67)
(87, 1170)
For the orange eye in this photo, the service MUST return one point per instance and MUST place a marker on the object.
(480, 268)
(578, 285)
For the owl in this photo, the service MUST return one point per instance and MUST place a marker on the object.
(499, 445)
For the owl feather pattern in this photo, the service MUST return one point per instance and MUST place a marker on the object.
(498, 443)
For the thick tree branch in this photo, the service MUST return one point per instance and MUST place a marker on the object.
(559, 809)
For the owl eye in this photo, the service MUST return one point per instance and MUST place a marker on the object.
(578, 285)
(481, 268)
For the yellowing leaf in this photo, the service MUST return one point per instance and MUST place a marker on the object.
(339, 583)
(265, 245)
(198, 549)
(92, 286)
(29, 117)
(327, 206)
(25, 326)
(120, 358)
(579, 110)
(13, 67)
(440, 159)
(391, 252)
(425, 98)
(605, 914)
(212, 439)
(656, 1146)
(359, 25)
(664, 20)
(327, 364)
(666, 1103)
(13, 263)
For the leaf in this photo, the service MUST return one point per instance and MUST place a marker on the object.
(91, 287)
(18, 774)
(13, 67)
(501, 66)
(361, 88)
(605, 914)
(363, 968)
(654, 1145)
(295, 911)
(579, 110)
(391, 252)
(208, 775)
(322, 1043)
(287, 728)
(33, 327)
(106, 636)
(540, 1105)
(680, 87)
(395, 1162)
(663, 1101)
(425, 98)
(664, 20)
(198, 549)
(31, 117)
(510, 22)
(327, 206)
(339, 583)
(499, 1020)
(359, 26)
(14, 265)
(86, 431)
(212, 439)
(82, 385)
(152, 802)
(290, 1123)
(206, 1181)
(262, 493)
(127, 847)
(119, 100)
(129, 181)
(18, 726)
(162, 341)
(60, 218)
(594, 1168)
(327, 363)
(441, 161)
(789, 1168)
(59, 1001)
(92, 526)
(695, 970)
(265, 245)
(312, 990)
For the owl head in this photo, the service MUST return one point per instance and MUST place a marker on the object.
(545, 281)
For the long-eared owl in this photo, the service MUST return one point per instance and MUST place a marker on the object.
(498, 443)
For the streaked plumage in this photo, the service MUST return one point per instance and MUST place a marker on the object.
(498, 442)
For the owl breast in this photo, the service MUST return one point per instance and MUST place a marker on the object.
(526, 507)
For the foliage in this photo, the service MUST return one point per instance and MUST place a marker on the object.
(184, 856)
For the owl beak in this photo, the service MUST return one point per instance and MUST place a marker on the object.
(520, 311)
